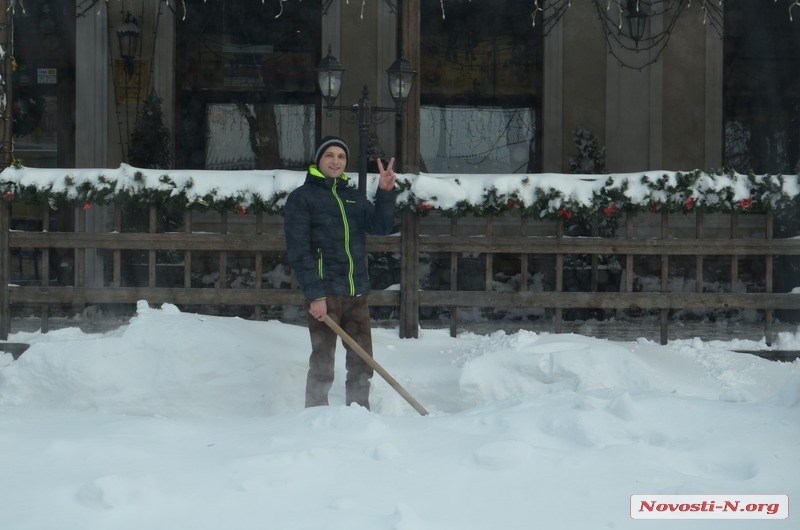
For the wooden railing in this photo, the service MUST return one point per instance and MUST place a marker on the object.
(671, 240)
(624, 249)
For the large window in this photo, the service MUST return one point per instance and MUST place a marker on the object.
(246, 84)
(44, 83)
(761, 88)
(481, 78)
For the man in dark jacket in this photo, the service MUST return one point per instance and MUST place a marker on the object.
(326, 223)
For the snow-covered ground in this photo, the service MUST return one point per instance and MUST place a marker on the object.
(187, 421)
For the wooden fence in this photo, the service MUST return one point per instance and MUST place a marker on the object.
(522, 248)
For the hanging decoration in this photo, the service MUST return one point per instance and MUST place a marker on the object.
(626, 24)
(629, 28)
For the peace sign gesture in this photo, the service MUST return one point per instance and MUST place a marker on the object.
(388, 177)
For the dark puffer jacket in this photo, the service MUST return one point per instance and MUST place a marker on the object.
(326, 225)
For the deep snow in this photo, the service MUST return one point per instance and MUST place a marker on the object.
(188, 421)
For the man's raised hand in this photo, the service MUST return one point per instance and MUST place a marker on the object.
(388, 178)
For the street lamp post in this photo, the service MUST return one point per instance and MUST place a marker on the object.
(329, 76)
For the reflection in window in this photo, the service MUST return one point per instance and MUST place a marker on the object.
(245, 84)
(230, 145)
(480, 87)
(476, 139)
(761, 88)
(737, 139)
(43, 84)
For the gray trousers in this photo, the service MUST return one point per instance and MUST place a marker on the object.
(352, 314)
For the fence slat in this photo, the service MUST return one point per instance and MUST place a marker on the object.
(453, 281)
(438, 244)
(187, 254)
(558, 316)
(769, 227)
(44, 271)
(664, 277)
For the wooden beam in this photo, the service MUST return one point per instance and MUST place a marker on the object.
(609, 300)
(173, 295)
(409, 276)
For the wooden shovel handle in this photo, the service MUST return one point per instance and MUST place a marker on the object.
(374, 364)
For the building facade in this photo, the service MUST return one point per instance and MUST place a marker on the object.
(501, 86)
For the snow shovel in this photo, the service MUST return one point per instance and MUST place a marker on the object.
(374, 364)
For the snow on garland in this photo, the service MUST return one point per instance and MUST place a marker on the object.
(545, 195)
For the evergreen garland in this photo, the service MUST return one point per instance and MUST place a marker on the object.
(603, 195)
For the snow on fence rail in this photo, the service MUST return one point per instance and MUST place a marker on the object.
(536, 196)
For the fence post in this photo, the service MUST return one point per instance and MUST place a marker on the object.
(409, 276)
(769, 227)
(664, 277)
(5, 275)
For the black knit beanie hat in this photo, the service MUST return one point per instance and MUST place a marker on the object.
(327, 142)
